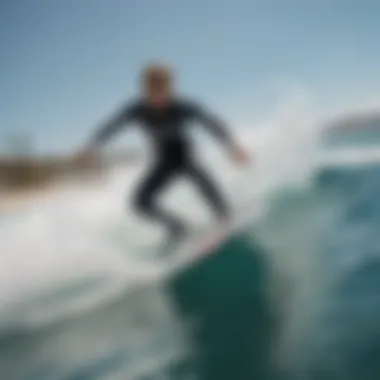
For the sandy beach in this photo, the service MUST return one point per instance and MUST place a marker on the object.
(13, 200)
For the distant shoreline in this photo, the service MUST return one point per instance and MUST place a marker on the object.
(24, 181)
(13, 200)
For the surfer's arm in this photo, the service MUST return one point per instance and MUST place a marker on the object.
(111, 127)
(213, 124)
(220, 130)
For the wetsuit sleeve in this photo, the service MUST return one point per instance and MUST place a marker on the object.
(113, 126)
(212, 123)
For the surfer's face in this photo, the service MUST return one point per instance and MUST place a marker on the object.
(157, 86)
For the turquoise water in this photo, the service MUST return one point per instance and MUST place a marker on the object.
(235, 323)
(223, 294)
(226, 324)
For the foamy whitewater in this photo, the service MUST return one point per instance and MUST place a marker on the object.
(80, 297)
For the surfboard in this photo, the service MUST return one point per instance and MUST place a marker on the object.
(201, 242)
(206, 242)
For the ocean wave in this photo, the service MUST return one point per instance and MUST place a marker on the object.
(65, 278)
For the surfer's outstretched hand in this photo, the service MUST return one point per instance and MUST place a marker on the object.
(240, 155)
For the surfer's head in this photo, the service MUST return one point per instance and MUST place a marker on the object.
(157, 83)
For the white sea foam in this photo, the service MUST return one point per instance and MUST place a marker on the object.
(73, 236)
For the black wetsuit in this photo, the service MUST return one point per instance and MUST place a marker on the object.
(168, 130)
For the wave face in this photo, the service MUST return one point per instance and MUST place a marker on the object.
(292, 295)
(332, 329)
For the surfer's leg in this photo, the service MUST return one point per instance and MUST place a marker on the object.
(145, 202)
(209, 190)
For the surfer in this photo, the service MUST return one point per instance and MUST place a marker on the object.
(164, 117)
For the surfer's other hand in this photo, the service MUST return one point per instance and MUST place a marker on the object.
(240, 155)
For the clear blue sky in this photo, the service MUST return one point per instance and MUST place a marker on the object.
(65, 64)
